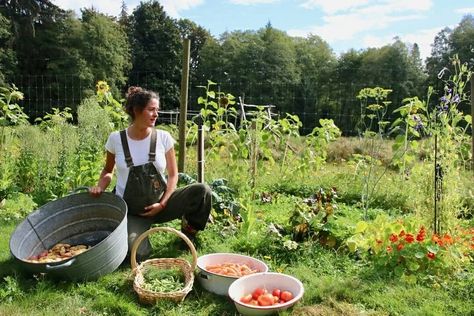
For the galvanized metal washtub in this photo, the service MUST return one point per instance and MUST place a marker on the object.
(98, 222)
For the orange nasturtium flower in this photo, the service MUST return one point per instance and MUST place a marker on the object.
(437, 240)
(400, 247)
(402, 233)
(389, 248)
(409, 238)
(421, 234)
(393, 238)
(447, 239)
(420, 237)
(430, 255)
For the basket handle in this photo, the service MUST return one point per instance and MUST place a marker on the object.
(138, 241)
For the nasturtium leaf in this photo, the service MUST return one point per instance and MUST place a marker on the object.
(432, 249)
(352, 245)
(361, 227)
(413, 266)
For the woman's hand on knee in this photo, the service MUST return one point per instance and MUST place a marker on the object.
(152, 210)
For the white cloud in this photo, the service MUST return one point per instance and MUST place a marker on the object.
(347, 26)
(173, 7)
(113, 7)
(359, 16)
(252, 2)
(465, 10)
(334, 6)
(359, 19)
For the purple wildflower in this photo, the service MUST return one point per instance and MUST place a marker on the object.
(419, 123)
(442, 108)
(456, 99)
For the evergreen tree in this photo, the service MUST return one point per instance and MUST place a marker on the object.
(105, 48)
(7, 55)
(156, 50)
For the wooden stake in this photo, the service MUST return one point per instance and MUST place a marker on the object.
(200, 150)
(472, 125)
(183, 109)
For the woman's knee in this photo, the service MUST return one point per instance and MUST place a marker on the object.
(200, 189)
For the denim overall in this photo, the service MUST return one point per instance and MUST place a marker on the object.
(145, 186)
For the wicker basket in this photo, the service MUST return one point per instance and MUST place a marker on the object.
(150, 297)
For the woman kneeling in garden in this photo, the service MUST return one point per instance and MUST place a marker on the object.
(142, 153)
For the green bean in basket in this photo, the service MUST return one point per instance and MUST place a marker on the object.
(163, 280)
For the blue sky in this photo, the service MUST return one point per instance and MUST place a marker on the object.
(344, 24)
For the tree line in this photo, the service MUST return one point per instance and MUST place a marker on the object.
(42, 45)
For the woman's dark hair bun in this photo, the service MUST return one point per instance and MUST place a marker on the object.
(137, 99)
(133, 90)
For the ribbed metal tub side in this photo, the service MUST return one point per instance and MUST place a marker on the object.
(99, 222)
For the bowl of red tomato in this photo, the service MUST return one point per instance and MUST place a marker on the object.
(265, 293)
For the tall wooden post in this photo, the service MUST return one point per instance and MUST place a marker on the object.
(183, 109)
(253, 156)
(200, 150)
(472, 125)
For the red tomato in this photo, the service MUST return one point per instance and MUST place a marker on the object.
(265, 299)
(276, 292)
(257, 292)
(286, 296)
(246, 298)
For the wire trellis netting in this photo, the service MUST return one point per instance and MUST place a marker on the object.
(310, 104)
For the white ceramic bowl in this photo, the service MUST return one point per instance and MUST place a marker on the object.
(268, 280)
(219, 284)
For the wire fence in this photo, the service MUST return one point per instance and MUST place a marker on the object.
(336, 101)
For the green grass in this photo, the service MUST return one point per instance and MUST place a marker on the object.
(335, 283)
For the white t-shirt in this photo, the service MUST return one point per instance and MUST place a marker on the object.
(139, 150)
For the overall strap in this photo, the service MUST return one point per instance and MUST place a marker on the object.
(126, 150)
(152, 153)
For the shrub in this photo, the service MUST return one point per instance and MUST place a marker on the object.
(404, 248)
(15, 207)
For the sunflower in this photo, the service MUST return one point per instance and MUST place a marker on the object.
(102, 87)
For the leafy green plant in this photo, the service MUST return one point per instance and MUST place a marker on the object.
(405, 249)
(45, 160)
(225, 206)
(16, 206)
(372, 127)
(114, 108)
(311, 219)
(10, 290)
(95, 124)
(315, 152)
(216, 108)
(10, 112)
(52, 120)
(11, 115)
(448, 125)
(412, 121)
